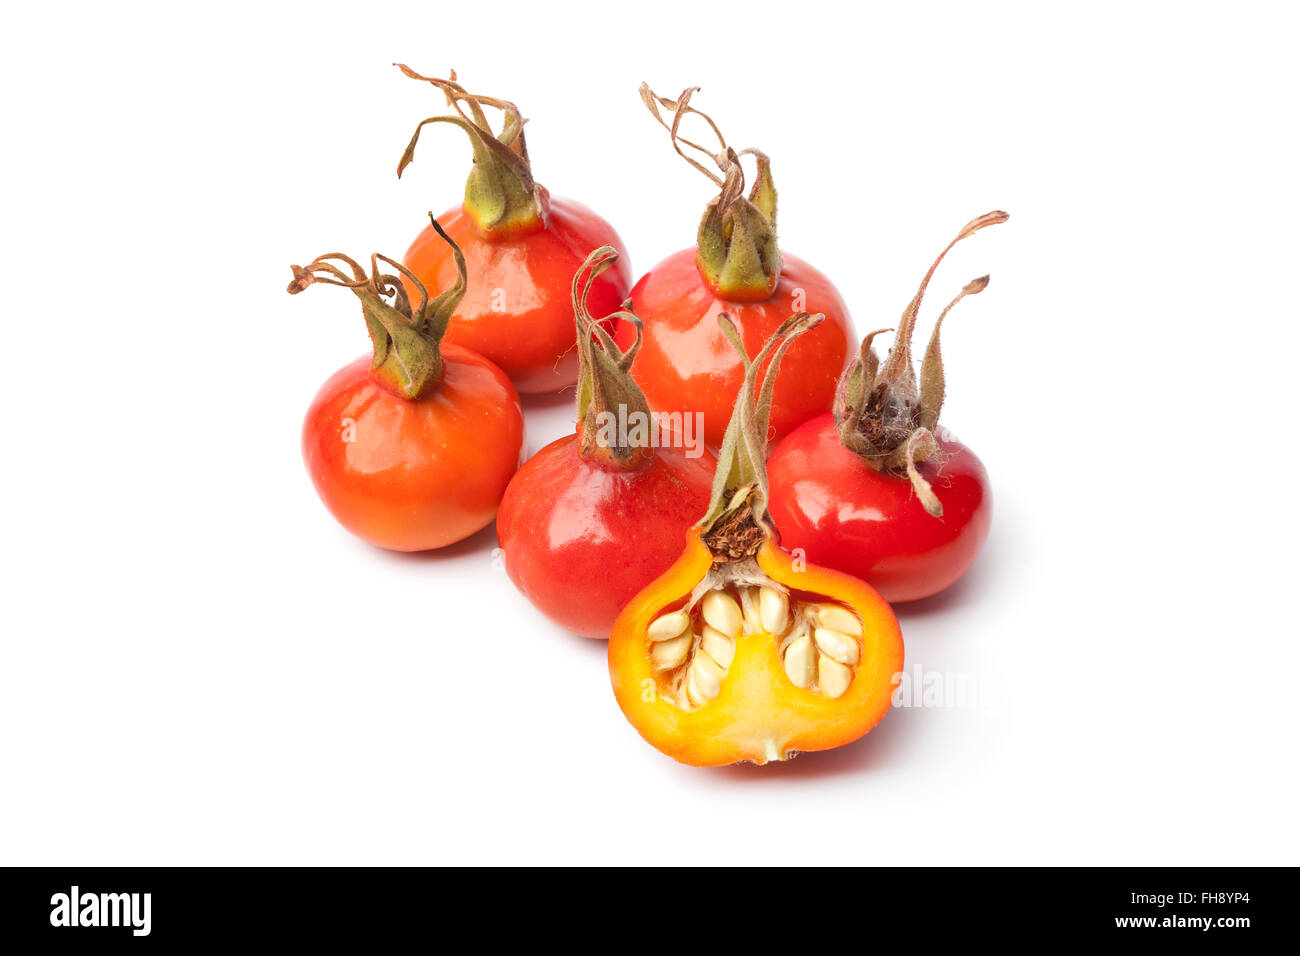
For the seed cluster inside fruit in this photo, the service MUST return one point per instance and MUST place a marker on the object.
(691, 648)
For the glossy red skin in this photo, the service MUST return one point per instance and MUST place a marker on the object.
(418, 474)
(527, 326)
(686, 364)
(847, 516)
(581, 540)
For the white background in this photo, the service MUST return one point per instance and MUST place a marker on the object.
(198, 666)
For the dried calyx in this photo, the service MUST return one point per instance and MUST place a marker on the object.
(612, 409)
(881, 413)
(405, 334)
(737, 250)
(500, 194)
(736, 524)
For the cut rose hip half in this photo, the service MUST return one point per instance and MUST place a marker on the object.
(742, 651)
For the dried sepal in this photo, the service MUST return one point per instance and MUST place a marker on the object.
(737, 247)
(881, 412)
(762, 195)
(605, 384)
(500, 192)
(921, 445)
(932, 381)
(740, 487)
(851, 396)
(900, 355)
(679, 109)
(405, 335)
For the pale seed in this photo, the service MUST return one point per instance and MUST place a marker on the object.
(800, 659)
(718, 646)
(671, 653)
(668, 626)
(833, 676)
(707, 665)
(839, 618)
(750, 617)
(721, 611)
(834, 644)
(703, 681)
(774, 610)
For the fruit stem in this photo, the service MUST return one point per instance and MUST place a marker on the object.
(405, 336)
(500, 194)
(737, 252)
(617, 426)
(738, 503)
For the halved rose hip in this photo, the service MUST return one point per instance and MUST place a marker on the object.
(741, 651)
